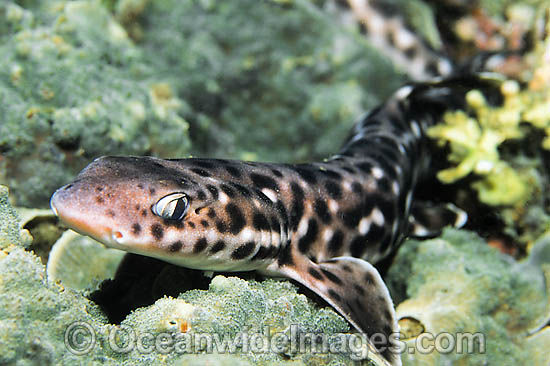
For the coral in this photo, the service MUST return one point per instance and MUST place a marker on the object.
(233, 309)
(10, 232)
(458, 284)
(499, 146)
(80, 262)
(35, 313)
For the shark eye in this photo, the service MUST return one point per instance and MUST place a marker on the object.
(171, 207)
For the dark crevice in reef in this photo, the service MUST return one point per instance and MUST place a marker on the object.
(140, 281)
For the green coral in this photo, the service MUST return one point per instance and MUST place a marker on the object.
(35, 313)
(10, 231)
(474, 144)
(233, 309)
(456, 283)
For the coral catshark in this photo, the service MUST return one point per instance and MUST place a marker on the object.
(322, 224)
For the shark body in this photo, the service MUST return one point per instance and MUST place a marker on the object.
(323, 224)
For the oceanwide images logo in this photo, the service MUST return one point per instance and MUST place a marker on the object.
(81, 339)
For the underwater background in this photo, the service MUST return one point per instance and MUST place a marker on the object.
(282, 81)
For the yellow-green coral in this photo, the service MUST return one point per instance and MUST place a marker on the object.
(474, 140)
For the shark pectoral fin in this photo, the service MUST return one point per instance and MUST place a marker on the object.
(428, 219)
(356, 290)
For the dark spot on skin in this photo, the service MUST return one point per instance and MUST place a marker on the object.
(321, 209)
(274, 223)
(144, 212)
(157, 231)
(358, 246)
(221, 226)
(352, 216)
(234, 172)
(201, 195)
(213, 191)
(315, 273)
(111, 213)
(228, 190)
(277, 173)
(140, 186)
(174, 223)
(332, 277)
(383, 184)
(237, 219)
(335, 243)
(175, 247)
(333, 189)
(285, 256)
(99, 189)
(432, 68)
(191, 224)
(158, 165)
(260, 222)
(136, 228)
(334, 295)
(219, 245)
(332, 174)
(411, 52)
(137, 206)
(201, 172)
(347, 268)
(243, 251)
(263, 181)
(242, 189)
(390, 38)
(306, 175)
(200, 245)
(297, 209)
(204, 223)
(356, 188)
(309, 238)
(152, 191)
(99, 199)
(376, 233)
(359, 290)
(211, 213)
(262, 253)
(365, 167)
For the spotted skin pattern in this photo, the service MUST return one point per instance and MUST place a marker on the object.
(322, 224)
